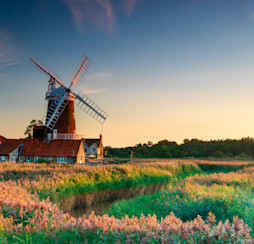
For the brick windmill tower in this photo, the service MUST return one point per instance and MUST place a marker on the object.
(60, 116)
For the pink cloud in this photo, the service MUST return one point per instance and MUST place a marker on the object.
(94, 82)
(129, 6)
(7, 57)
(93, 91)
(99, 77)
(100, 14)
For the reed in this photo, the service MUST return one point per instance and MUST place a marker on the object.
(26, 217)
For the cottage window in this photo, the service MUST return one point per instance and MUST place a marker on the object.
(61, 159)
(21, 158)
(94, 149)
(50, 158)
(36, 158)
(2, 158)
(28, 158)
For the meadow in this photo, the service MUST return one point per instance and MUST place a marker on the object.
(60, 181)
(194, 207)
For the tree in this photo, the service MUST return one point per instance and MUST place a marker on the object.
(242, 156)
(149, 144)
(29, 129)
(218, 154)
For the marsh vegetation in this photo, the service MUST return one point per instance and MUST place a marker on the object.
(193, 207)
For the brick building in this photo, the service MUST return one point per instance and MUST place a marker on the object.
(60, 151)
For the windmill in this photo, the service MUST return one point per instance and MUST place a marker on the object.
(60, 117)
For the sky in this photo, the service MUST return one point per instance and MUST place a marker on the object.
(161, 69)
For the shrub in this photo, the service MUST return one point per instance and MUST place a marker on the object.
(242, 156)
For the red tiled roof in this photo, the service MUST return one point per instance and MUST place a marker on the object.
(35, 147)
(1, 139)
(64, 148)
(29, 147)
(9, 146)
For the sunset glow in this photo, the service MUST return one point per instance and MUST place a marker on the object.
(160, 69)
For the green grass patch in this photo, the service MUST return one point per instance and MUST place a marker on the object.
(117, 179)
(223, 167)
(187, 199)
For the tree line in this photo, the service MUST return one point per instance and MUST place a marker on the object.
(194, 148)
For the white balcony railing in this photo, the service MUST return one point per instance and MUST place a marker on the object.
(67, 136)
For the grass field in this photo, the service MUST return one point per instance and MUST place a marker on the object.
(194, 207)
(59, 181)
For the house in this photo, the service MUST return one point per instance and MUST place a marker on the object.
(93, 148)
(9, 149)
(60, 151)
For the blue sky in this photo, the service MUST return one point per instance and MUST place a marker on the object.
(161, 69)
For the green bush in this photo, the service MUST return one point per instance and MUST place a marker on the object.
(242, 156)
(218, 154)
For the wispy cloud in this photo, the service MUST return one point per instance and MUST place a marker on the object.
(94, 82)
(129, 6)
(92, 91)
(247, 7)
(252, 15)
(100, 14)
(101, 77)
(7, 57)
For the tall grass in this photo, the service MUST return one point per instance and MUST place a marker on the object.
(222, 166)
(61, 181)
(226, 195)
(27, 218)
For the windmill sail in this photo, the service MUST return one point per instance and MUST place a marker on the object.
(43, 68)
(59, 101)
(86, 104)
(80, 70)
(55, 110)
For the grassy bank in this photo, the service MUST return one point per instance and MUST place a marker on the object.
(225, 195)
(62, 181)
